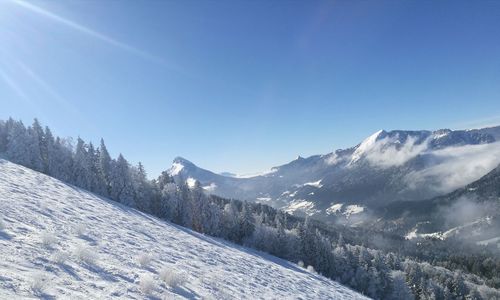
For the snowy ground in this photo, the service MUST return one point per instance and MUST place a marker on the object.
(59, 241)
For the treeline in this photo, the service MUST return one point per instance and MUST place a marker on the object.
(82, 165)
(377, 274)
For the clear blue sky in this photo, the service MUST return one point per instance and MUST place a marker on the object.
(242, 86)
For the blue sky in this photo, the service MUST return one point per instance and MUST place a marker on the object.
(242, 86)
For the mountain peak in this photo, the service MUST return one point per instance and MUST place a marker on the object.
(182, 161)
(366, 145)
(178, 165)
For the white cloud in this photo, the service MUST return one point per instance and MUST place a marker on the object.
(191, 182)
(388, 152)
(210, 188)
(458, 166)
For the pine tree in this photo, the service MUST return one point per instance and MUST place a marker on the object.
(307, 242)
(122, 189)
(246, 222)
(92, 161)
(35, 157)
(384, 277)
(164, 179)
(104, 169)
(3, 136)
(143, 193)
(18, 145)
(48, 151)
(211, 220)
(459, 289)
(474, 295)
(231, 230)
(81, 166)
(61, 160)
(400, 289)
(39, 147)
(280, 245)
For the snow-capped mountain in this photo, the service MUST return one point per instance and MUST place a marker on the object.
(386, 167)
(59, 241)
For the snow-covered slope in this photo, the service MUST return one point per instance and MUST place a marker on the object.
(63, 242)
(388, 166)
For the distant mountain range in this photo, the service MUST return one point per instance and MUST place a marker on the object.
(355, 185)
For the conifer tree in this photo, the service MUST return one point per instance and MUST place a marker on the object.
(104, 169)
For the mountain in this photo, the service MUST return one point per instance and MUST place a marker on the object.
(60, 241)
(471, 212)
(348, 185)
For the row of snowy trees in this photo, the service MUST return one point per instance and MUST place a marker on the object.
(82, 164)
(378, 274)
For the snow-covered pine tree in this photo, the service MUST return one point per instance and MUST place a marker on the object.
(400, 289)
(280, 245)
(307, 244)
(142, 188)
(230, 221)
(212, 219)
(246, 222)
(81, 166)
(33, 147)
(62, 160)
(48, 147)
(93, 161)
(39, 147)
(104, 169)
(3, 136)
(122, 188)
(18, 144)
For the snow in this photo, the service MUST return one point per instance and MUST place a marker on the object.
(440, 134)
(176, 169)
(411, 235)
(210, 188)
(314, 184)
(414, 234)
(452, 232)
(82, 224)
(490, 241)
(353, 209)
(334, 208)
(256, 174)
(301, 205)
(264, 199)
(365, 146)
(191, 182)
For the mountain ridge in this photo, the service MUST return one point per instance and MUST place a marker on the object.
(387, 166)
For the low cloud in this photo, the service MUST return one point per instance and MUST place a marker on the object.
(456, 167)
(467, 219)
(465, 210)
(388, 152)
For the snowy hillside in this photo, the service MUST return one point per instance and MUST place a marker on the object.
(61, 241)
